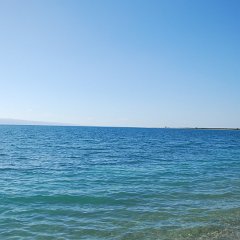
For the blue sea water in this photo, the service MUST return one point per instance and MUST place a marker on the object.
(119, 183)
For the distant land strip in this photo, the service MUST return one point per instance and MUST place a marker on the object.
(198, 128)
(5, 121)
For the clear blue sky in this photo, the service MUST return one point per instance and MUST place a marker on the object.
(121, 63)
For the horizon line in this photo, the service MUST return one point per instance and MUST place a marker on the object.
(21, 122)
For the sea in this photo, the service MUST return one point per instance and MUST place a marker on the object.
(102, 183)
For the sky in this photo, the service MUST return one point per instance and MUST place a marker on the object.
(142, 63)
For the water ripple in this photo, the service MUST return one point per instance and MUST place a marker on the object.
(119, 183)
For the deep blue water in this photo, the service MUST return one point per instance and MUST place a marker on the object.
(119, 183)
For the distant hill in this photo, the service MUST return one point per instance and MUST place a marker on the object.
(6, 121)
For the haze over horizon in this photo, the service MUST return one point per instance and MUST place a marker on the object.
(7, 121)
(121, 63)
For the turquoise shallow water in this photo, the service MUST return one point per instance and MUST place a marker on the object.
(119, 183)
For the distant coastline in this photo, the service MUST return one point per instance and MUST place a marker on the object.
(197, 128)
(42, 123)
(6, 121)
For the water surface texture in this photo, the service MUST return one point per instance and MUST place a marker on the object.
(119, 183)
